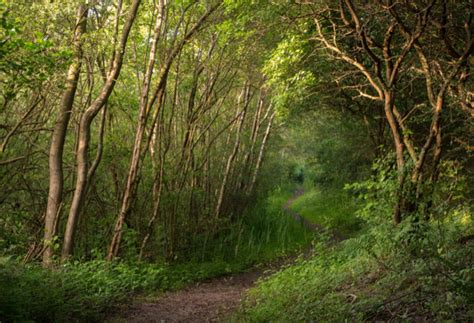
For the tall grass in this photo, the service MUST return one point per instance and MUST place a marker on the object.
(261, 233)
(371, 278)
(331, 207)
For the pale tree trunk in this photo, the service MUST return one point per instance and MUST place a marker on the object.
(84, 133)
(128, 194)
(399, 149)
(137, 147)
(231, 158)
(246, 168)
(157, 190)
(261, 153)
(56, 180)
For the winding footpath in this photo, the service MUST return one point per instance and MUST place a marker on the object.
(335, 236)
(205, 302)
(209, 301)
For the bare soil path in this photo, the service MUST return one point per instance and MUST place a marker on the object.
(210, 301)
(205, 302)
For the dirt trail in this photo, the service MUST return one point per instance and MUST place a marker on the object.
(209, 301)
(205, 302)
(298, 217)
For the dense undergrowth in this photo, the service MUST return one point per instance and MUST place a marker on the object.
(262, 232)
(420, 270)
(370, 278)
(86, 290)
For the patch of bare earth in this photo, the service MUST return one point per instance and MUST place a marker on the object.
(205, 302)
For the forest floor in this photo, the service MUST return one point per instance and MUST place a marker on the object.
(213, 300)
(295, 215)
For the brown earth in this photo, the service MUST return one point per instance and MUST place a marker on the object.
(204, 302)
(209, 301)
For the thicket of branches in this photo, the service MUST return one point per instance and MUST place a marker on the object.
(144, 123)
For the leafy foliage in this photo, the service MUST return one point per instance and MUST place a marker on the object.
(24, 62)
(372, 278)
(85, 291)
(194, 170)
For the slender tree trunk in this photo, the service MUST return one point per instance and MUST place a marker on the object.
(129, 188)
(157, 190)
(231, 158)
(100, 146)
(261, 153)
(84, 133)
(146, 103)
(399, 149)
(246, 169)
(56, 183)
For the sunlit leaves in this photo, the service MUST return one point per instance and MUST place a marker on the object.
(285, 75)
(25, 60)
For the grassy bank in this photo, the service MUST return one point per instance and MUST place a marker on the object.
(332, 208)
(383, 274)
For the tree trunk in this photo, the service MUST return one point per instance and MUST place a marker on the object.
(146, 104)
(55, 194)
(231, 158)
(246, 168)
(261, 153)
(399, 149)
(84, 134)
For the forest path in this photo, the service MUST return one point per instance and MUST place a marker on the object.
(205, 302)
(334, 235)
(209, 301)
(295, 215)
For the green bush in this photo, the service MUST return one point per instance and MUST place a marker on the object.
(421, 269)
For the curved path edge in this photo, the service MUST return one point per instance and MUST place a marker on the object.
(209, 301)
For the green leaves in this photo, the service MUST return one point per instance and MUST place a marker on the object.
(25, 61)
(372, 277)
(285, 74)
